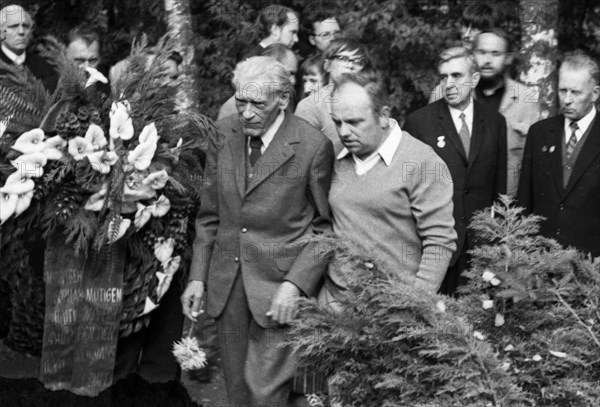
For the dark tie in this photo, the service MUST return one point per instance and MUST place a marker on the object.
(465, 136)
(572, 140)
(255, 145)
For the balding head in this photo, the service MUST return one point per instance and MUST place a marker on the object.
(16, 26)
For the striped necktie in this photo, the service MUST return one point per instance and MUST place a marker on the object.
(572, 140)
(465, 136)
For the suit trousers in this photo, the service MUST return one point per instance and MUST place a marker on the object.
(258, 370)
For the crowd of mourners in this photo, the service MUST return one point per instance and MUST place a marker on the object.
(286, 167)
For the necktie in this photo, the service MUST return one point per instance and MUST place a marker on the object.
(465, 136)
(572, 140)
(255, 145)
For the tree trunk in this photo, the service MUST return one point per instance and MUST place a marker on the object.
(179, 26)
(539, 25)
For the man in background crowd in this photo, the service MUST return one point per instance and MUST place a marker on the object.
(276, 25)
(471, 139)
(83, 47)
(560, 178)
(16, 26)
(323, 26)
(516, 102)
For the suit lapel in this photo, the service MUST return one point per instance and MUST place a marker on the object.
(553, 147)
(277, 154)
(237, 146)
(589, 151)
(477, 134)
(449, 129)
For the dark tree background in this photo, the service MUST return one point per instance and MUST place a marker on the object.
(404, 36)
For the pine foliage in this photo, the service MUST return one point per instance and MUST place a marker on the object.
(524, 332)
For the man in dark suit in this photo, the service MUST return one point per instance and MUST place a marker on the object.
(471, 139)
(16, 26)
(560, 178)
(266, 186)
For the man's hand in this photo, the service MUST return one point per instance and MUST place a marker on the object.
(191, 299)
(285, 303)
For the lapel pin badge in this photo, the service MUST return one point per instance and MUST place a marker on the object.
(441, 141)
(551, 149)
(544, 149)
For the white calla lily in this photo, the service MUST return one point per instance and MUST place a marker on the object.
(95, 135)
(23, 202)
(161, 206)
(157, 180)
(55, 148)
(3, 126)
(95, 76)
(141, 157)
(170, 267)
(79, 148)
(101, 161)
(121, 125)
(17, 184)
(30, 165)
(117, 228)
(96, 201)
(31, 141)
(142, 216)
(8, 204)
(163, 249)
(149, 134)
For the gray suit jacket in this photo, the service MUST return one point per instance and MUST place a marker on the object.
(256, 228)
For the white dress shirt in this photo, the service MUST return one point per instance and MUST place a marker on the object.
(455, 114)
(17, 59)
(268, 135)
(582, 123)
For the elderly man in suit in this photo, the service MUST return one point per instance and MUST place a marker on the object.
(16, 26)
(266, 186)
(560, 177)
(389, 191)
(471, 139)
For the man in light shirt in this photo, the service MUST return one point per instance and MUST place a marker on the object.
(471, 139)
(16, 26)
(560, 176)
(389, 192)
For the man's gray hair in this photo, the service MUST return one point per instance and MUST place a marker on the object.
(261, 74)
(579, 60)
(458, 52)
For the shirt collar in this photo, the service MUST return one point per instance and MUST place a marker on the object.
(455, 113)
(268, 135)
(386, 150)
(582, 123)
(17, 59)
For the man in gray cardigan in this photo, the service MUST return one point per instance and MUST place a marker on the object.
(389, 191)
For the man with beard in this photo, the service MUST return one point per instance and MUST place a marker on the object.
(276, 25)
(471, 139)
(518, 103)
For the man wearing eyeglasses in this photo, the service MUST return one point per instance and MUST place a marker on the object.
(324, 28)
